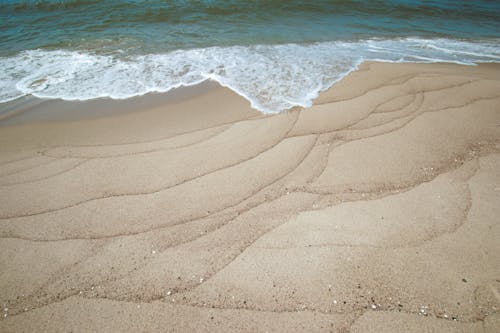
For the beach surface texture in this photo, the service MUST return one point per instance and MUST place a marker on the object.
(376, 209)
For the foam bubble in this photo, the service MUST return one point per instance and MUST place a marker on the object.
(272, 77)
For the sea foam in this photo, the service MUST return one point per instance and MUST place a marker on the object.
(272, 77)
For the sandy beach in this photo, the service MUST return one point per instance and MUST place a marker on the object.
(375, 210)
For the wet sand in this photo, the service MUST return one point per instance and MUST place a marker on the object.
(375, 210)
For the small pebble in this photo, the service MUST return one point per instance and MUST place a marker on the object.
(201, 280)
(153, 252)
(169, 293)
(374, 306)
(5, 315)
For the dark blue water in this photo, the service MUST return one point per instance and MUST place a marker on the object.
(276, 53)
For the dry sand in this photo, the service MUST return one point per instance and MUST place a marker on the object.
(375, 210)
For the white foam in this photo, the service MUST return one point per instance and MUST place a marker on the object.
(272, 77)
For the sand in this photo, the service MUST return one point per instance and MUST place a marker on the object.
(375, 210)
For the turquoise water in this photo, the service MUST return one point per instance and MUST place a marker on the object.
(277, 54)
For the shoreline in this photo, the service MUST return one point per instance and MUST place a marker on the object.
(55, 109)
(374, 210)
(281, 82)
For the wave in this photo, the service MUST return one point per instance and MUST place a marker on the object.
(272, 77)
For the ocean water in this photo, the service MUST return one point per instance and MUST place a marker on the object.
(277, 54)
